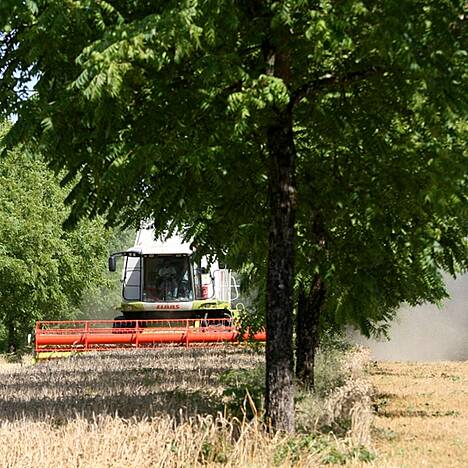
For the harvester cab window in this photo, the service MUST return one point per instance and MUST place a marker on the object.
(167, 278)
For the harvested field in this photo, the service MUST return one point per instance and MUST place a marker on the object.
(165, 408)
(421, 414)
(139, 384)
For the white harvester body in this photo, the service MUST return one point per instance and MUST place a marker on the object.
(162, 278)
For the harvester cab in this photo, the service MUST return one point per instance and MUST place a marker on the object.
(161, 279)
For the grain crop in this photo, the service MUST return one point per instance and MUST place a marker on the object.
(165, 407)
(128, 384)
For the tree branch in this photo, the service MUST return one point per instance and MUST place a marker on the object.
(329, 80)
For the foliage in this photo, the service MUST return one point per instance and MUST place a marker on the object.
(392, 220)
(43, 269)
(243, 392)
(293, 448)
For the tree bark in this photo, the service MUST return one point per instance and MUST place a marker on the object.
(309, 310)
(279, 398)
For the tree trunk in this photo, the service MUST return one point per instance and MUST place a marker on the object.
(279, 398)
(12, 342)
(309, 309)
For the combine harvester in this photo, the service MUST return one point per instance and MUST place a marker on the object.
(167, 300)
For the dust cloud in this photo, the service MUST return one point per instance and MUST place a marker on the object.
(427, 333)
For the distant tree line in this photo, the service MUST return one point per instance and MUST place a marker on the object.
(46, 272)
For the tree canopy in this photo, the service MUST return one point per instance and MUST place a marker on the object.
(329, 131)
(44, 270)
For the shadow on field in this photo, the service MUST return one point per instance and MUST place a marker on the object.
(108, 379)
(178, 404)
(134, 384)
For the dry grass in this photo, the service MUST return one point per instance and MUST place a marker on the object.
(352, 400)
(115, 442)
(421, 414)
(161, 408)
